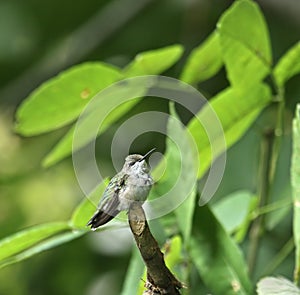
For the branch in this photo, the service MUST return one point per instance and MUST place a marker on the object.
(264, 183)
(160, 280)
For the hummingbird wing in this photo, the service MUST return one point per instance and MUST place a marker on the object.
(108, 206)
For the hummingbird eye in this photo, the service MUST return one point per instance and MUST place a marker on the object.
(132, 163)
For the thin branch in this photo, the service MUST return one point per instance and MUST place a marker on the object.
(160, 280)
(279, 257)
(264, 182)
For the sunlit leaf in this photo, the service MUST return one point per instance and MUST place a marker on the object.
(173, 254)
(33, 240)
(236, 109)
(108, 108)
(178, 182)
(288, 65)
(204, 61)
(61, 99)
(245, 43)
(217, 258)
(295, 178)
(184, 213)
(154, 62)
(29, 237)
(44, 245)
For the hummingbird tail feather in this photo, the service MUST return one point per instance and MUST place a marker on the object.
(100, 218)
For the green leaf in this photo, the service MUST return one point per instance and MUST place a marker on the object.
(245, 43)
(132, 282)
(180, 174)
(204, 61)
(39, 238)
(236, 109)
(44, 245)
(184, 214)
(154, 62)
(280, 286)
(186, 161)
(61, 99)
(295, 179)
(173, 254)
(288, 65)
(232, 210)
(107, 107)
(243, 229)
(30, 241)
(85, 210)
(217, 258)
(29, 237)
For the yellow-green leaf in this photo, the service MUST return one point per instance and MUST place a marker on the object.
(288, 65)
(245, 43)
(204, 61)
(61, 99)
(236, 110)
(153, 62)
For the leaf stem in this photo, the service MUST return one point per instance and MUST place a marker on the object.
(258, 225)
(287, 202)
(280, 257)
(279, 127)
(270, 148)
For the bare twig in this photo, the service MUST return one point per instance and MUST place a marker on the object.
(160, 280)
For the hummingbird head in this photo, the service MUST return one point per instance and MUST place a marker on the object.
(137, 162)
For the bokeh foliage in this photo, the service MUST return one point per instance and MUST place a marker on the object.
(253, 103)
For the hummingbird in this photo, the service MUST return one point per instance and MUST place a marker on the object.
(131, 184)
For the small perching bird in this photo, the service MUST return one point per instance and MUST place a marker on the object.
(131, 184)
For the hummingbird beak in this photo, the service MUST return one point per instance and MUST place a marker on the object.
(146, 155)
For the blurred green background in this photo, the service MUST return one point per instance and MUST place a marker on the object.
(38, 39)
